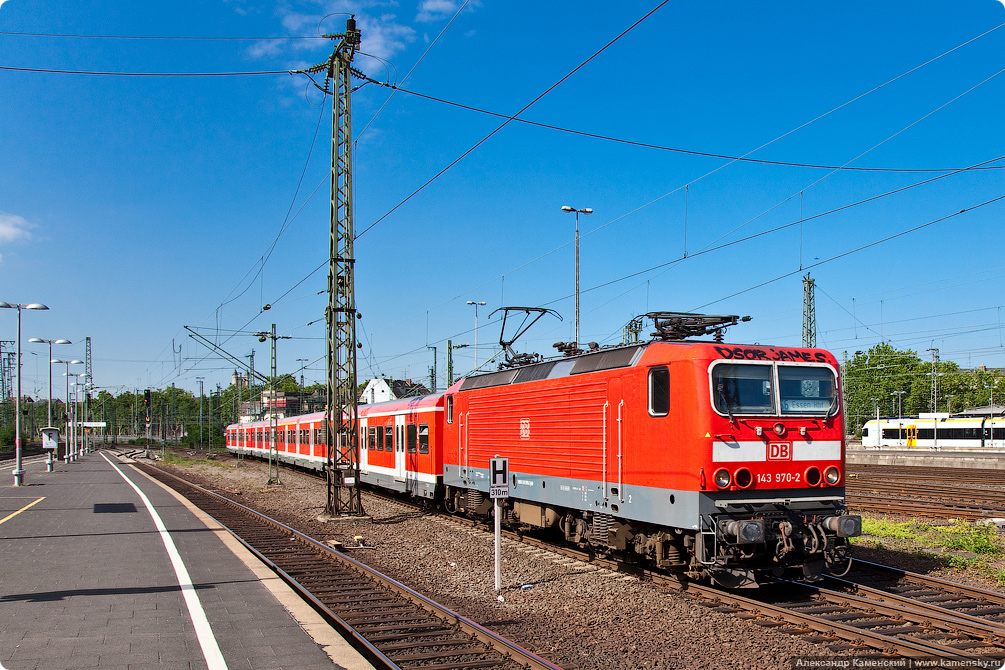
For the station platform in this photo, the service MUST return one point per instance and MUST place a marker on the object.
(924, 457)
(103, 567)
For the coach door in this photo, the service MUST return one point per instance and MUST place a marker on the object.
(912, 435)
(613, 467)
(399, 447)
(364, 447)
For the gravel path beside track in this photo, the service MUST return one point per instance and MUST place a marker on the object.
(575, 614)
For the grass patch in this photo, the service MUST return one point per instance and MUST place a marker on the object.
(974, 549)
(173, 458)
(883, 527)
(982, 540)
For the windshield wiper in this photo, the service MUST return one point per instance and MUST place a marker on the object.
(725, 404)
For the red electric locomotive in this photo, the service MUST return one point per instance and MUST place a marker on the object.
(722, 461)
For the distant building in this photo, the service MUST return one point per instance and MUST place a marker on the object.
(382, 390)
(987, 410)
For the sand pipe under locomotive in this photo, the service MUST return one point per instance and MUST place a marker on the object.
(718, 461)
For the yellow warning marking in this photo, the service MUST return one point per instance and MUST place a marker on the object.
(14, 514)
(708, 435)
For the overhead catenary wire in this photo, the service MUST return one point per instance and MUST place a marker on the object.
(660, 147)
(510, 118)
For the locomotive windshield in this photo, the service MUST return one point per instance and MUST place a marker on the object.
(750, 389)
(806, 390)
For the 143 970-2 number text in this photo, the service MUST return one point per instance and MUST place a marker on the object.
(779, 478)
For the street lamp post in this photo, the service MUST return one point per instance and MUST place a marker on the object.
(991, 414)
(199, 380)
(76, 429)
(567, 209)
(18, 470)
(472, 302)
(900, 408)
(300, 396)
(67, 426)
(39, 340)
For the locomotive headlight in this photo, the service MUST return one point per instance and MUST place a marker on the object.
(779, 429)
(832, 475)
(722, 478)
(746, 532)
(846, 525)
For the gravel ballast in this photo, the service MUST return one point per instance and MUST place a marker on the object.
(575, 614)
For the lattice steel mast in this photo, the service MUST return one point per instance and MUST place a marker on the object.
(809, 312)
(341, 421)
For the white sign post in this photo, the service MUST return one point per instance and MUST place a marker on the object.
(498, 489)
(50, 442)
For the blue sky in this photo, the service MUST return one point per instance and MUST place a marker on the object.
(135, 206)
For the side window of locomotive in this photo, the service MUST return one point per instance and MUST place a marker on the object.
(450, 409)
(807, 390)
(423, 438)
(742, 389)
(411, 437)
(659, 391)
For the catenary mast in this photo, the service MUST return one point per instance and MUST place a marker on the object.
(341, 421)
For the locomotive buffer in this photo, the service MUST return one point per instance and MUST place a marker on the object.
(498, 489)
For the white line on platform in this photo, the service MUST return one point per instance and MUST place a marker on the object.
(210, 649)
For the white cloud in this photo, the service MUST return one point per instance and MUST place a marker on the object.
(382, 38)
(265, 49)
(434, 10)
(14, 228)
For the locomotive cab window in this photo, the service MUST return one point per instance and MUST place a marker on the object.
(450, 409)
(742, 389)
(659, 391)
(807, 390)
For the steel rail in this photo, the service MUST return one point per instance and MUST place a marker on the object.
(905, 647)
(935, 582)
(506, 648)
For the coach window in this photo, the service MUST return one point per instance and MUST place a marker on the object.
(411, 437)
(423, 438)
(659, 391)
(450, 409)
(373, 441)
(389, 438)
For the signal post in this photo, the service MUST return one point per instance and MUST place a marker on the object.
(498, 490)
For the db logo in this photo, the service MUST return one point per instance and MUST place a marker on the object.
(524, 429)
(779, 451)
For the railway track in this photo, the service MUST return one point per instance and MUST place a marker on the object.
(393, 626)
(938, 493)
(875, 612)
